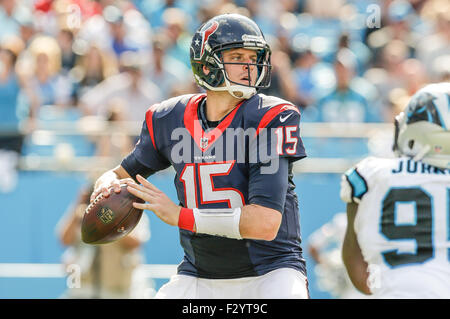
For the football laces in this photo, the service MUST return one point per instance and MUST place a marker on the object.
(96, 200)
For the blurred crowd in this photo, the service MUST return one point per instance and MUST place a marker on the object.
(339, 61)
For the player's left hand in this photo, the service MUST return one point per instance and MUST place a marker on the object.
(155, 200)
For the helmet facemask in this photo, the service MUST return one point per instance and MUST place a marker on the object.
(225, 32)
(219, 80)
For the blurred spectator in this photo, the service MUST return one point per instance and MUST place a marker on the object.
(40, 66)
(325, 246)
(282, 81)
(414, 78)
(400, 17)
(93, 66)
(175, 29)
(118, 144)
(436, 44)
(27, 29)
(114, 17)
(390, 74)
(346, 103)
(12, 12)
(415, 75)
(117, 30)
(108, 270)
(304, 62)
(68, 57)
(10, 90)
(441, 67)
(328, 11)
(129, 85)
(165, 70)
(11, 137)
(267, 20)
(187, 87)
(361, 51)
(393, 55)
(153, 10)
(396, 71)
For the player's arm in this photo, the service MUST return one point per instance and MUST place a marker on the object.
(353, 188)
(261, 218)
(351, 253)
(259, 222)
(251, 221)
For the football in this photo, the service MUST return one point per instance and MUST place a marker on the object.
(111, 218)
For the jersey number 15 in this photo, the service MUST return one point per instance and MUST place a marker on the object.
(208, 193)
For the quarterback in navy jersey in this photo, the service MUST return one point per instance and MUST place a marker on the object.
(233, 151)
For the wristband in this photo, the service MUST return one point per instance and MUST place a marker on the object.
(186, 219)
(218, 222)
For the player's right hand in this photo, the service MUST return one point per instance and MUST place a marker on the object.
(105, 188)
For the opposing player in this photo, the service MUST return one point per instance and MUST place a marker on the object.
(232, 150)
(397, 243)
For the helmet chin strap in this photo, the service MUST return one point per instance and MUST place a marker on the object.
(236, 91)
(422, 153)
(239, 91)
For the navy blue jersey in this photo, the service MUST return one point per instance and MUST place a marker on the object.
(246, 159)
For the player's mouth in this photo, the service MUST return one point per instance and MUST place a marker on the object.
(245, 80)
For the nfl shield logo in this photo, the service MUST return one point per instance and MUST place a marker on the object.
(106, 215)
(203, 142)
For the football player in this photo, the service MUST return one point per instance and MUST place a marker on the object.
(397, 242)
(233, 151)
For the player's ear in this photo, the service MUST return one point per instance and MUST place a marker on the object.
(205, 70)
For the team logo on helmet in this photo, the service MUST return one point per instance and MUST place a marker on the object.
(421, 131)
(201, 38)
(422, 108)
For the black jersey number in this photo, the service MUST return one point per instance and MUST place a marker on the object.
(421, 231)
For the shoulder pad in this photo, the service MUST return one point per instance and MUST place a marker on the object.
(267, 101)
(263, 109)
(355, 181)
(160, 110)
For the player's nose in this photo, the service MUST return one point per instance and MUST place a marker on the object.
(248, 64)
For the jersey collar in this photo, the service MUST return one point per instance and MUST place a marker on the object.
(192, 123)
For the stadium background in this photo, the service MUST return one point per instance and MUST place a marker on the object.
(56, 117)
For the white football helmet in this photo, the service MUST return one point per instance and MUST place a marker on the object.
(422, 130)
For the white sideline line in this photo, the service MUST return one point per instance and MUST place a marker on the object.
(7, 270)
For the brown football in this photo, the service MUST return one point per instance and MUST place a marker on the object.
(108, 219)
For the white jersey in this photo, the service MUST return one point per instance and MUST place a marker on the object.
(402, 225)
